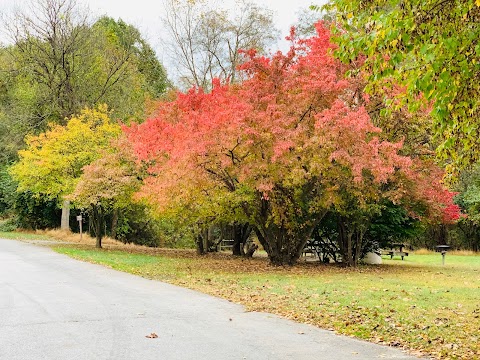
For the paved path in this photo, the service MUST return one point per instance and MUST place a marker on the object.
(53, 307)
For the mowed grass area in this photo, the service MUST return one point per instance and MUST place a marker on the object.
(23, 236)
(417, 304)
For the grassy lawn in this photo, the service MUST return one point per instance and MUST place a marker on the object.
(417, 303)
(23, 236)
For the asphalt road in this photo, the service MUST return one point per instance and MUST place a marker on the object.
(53, 307)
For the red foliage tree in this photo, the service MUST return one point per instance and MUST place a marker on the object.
(278, 151)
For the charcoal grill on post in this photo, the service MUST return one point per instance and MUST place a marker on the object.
(443, 250)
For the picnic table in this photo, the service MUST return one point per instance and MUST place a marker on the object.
(225, 245)
(396, 249)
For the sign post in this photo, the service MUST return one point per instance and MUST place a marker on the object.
(79, 219)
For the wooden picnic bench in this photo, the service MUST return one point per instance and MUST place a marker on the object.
(395, 250)
(225, 245)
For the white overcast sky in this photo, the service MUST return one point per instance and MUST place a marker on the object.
(146, 14)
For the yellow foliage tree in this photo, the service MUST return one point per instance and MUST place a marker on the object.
(52, 163)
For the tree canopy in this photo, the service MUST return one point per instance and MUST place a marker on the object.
(204, 40)
(106, 184)
(278, 150)
(60, 62)
(138, 52)
(52, 163)
(431, 50)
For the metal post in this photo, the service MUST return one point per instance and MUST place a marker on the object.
(79, 218)
(443, 257)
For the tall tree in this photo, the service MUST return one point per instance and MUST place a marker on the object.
(60, 63)
(205, 40)
(432, 49)
(18, 108)
(51, 39)
(277, 151)
(128, 38)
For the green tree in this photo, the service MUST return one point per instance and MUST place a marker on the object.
(19, 107)
(430, 48)
(59, 63)
(57, 49)
(128, 37)
(468, 198)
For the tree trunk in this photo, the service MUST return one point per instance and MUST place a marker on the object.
(341, 240)
(98, 223)
(251, 250)
(114, 223)
(282, 246)
(241, 232)
(358, 246)
(65, 221)
(237, 239)
(345, 242)
(350, 241)
(283, 242)
(350, 249)
(199, 245)
(206, 239)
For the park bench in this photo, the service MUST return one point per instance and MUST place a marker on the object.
(225, 245)
(319, 250)
(395, 250)
(247, 250)
(309, 251)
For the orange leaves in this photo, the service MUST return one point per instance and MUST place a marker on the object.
(351, 137)
(288, 142)
(109, 180)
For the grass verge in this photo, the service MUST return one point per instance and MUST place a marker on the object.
(23, 236)
(416, 304)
